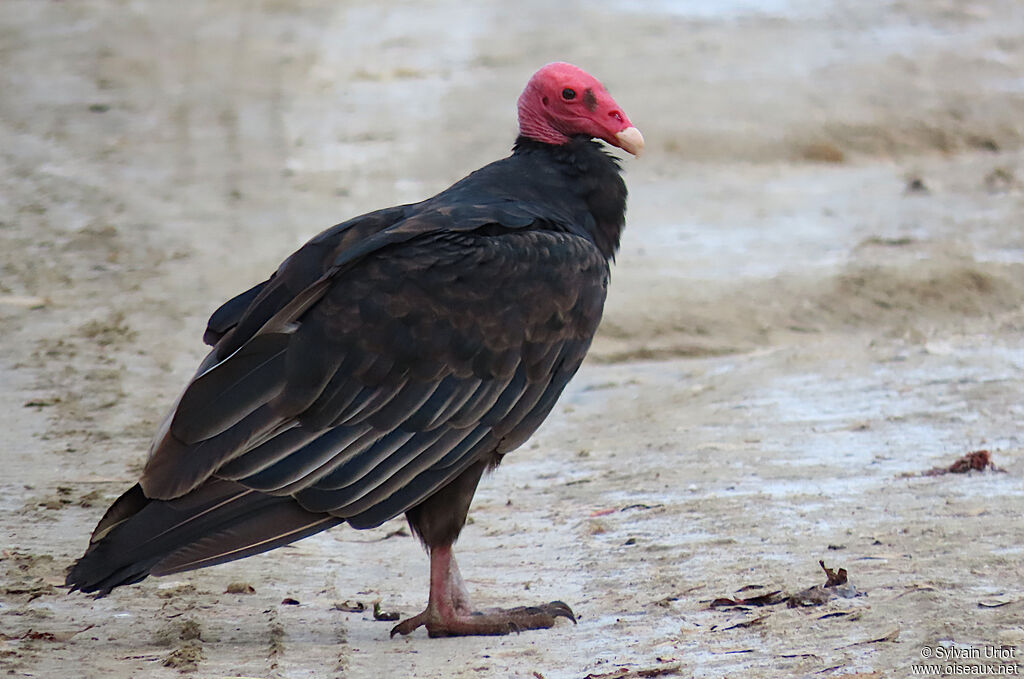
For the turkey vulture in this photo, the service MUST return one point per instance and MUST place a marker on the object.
(387, 364)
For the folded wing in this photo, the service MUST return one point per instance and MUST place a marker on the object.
(397, 370)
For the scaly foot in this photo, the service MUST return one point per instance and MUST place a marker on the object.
(448, 622)
(450, 614)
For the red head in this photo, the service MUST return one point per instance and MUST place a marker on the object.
(562, 100)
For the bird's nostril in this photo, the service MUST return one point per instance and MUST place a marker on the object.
(615, 114)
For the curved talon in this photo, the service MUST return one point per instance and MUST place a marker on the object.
(560, 609)
(408, 625)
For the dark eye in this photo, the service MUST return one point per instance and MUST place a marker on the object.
(568, 94)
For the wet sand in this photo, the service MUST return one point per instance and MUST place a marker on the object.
(818, 299)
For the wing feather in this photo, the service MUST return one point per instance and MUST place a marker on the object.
(450, 394)
(295, 455)
(422, 485)
(226, 317)
(232, 389)
(179, 468)
(333, 500)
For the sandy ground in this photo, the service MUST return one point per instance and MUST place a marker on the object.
(819, 297)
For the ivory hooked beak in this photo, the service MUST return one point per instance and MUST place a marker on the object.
(630, 140)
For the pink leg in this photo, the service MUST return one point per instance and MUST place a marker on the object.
(450, 614)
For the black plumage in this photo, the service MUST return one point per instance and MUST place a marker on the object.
(380, 370)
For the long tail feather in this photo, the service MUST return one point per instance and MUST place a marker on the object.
(218, 522)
